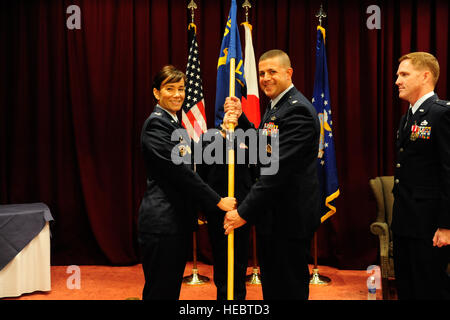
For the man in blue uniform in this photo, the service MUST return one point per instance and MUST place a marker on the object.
(421, 210)
(283, 203)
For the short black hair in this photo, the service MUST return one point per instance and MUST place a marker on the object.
(276, 53)
(168, 74)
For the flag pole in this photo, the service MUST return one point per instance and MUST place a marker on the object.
(254, 277)
(316, 278)
(194, 278)
(230, 129)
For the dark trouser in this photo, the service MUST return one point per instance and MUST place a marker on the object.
(163, 261)
(284, 267)
(420, 269)
(219, 245)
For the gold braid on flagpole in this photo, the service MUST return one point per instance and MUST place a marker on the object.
(192, 25)
(247, 24)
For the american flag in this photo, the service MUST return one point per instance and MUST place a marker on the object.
(193, 110)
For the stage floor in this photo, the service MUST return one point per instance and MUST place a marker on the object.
(121, 283)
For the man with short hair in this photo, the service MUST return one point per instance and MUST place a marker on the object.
(421, 212)
(284, 205)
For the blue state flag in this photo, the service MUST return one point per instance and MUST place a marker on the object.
(327, 171)
(230, 48)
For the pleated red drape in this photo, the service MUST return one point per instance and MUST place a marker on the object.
(72, 103)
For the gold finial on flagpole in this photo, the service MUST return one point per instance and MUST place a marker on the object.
(321, 14)
(192, 6)
(246, 5)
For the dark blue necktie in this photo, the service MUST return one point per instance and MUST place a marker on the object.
(408, 121)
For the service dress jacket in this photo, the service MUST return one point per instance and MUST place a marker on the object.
(287, 202)
(422, 172)
(169, 205)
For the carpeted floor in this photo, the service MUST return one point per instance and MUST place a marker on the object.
(121, 283)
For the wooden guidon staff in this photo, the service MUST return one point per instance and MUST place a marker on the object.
(230, 129)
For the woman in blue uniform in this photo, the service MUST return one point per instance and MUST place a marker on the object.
(167, 215)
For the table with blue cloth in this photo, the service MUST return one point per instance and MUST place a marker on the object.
(24, 248)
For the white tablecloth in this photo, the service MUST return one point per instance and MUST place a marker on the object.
(29, 271)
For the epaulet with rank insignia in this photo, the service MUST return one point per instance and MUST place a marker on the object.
(293, 100)
(443, 103)
(155, 114)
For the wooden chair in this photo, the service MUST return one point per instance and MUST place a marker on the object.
(382, 190)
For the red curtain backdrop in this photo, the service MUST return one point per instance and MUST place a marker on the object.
(72, 104)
